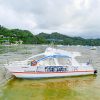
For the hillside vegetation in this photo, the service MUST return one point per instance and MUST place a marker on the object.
(17, 35)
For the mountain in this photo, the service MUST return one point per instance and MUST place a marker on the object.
(58, 38)
(13, 35)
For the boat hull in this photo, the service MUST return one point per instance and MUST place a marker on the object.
(32, 75)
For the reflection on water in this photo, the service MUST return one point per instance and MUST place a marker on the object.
(47, 89)
(69, 88)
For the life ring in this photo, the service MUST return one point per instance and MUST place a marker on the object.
(33, 63)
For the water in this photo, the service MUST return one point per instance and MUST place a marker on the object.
(69, 88)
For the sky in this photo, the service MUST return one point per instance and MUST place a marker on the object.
(69, 17)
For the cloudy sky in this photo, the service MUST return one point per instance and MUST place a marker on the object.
(70, 17)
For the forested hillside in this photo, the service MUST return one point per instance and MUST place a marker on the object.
(13, 35)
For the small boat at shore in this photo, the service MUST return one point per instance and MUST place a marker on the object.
(93, 48)
(51, 63)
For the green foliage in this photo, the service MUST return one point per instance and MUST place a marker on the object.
(11, 36)
(17, 35)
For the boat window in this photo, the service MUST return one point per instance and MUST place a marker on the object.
(64, 61)
(50, 61)
(47, 62)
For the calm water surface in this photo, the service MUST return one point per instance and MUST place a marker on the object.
(69, 88)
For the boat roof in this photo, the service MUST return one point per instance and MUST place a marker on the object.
(54, 53)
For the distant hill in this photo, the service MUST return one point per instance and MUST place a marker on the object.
(13, 35)
(58, 38)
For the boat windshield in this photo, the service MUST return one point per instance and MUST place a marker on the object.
(47, 62)
(64, 61)
(52, 61)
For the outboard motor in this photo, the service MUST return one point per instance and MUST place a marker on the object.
(95, 71)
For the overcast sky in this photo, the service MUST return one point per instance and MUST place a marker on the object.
(70, 17)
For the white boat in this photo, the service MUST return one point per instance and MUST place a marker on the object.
(93, 48)
(51, 63)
